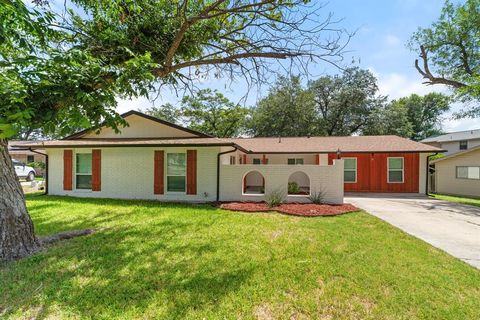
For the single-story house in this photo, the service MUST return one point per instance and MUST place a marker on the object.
(459, 173)
(27, 156)
(155, 159)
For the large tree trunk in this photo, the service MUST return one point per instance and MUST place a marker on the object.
(17, 237)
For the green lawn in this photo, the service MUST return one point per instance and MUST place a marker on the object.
(167, 261)
(464, 200)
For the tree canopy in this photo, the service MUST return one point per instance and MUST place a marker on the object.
(167, 112)
(332, 105)
(449, 52)
(345, 102)
(414, 117)
(287, 110)
(211, 112)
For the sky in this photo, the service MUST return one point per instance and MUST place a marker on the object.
(382, 31)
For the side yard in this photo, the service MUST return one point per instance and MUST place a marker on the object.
(456, 199)
(154, 260)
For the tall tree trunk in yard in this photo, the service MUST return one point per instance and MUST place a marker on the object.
(17, 237)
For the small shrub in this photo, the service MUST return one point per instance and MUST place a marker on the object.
(40, 165)
(275, 198)
(317, 197)
(293, 187)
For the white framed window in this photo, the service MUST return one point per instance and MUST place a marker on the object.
(233, 159)
(350, 170)
(468, 172)
(83, 171)
(395, 170)
(256, 161)
(176, 172)
(293, 161)
(463, 145)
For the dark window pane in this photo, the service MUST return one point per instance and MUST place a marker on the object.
(395, 163)
(84, 182)
(84, 163)
(176, 183)
(395, 176)
(349, 176)
(256, 160)
(291, 161)
(299, 161)
(30, 158)
(463, 145)
(350, 163)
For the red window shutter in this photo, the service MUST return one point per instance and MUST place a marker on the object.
(244, 159)
(317, 159)
(191, 171)
(67, 169)
(158, 172)
(96, 170)
(264, 159)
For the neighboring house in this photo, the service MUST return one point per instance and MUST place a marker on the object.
(459, 173)
(455, 141)
(26, 156)
(155, 159)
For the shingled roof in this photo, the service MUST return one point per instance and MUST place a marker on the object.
(332, 144)
(259, 145)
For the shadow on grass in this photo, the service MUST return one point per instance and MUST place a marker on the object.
(159, 263)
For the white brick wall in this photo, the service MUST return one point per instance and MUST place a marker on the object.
(328, 179)
(128, 173)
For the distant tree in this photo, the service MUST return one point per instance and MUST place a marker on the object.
(425, 113)
(165, 112)
(414, 117)
(344, 103)
(450, 52)
(287, 110)
(212, 113)
(389, 120)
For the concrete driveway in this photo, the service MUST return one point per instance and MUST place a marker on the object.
(454, 228)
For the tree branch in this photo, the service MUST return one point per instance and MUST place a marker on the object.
(233, 59)
(429, 76)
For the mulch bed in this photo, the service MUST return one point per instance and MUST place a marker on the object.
(296, 209)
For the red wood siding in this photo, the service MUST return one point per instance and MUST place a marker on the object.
(158, 172)
(372, 172)
(96, 170)
(191, 171)
(67, 169)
